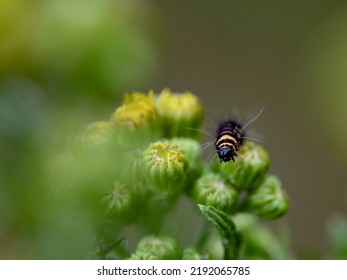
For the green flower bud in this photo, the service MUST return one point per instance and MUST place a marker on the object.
(118, 199)
(249, 169)
(192, 152)
(180, 114)
(269, 201)
(190, 254)
(96, 133)
(165, 167)
(137, 110)
(132, 168)
(157, 248)
(212, 190)
(141, 255)
(191, 149)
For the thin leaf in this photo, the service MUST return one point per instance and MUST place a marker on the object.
(225, 227)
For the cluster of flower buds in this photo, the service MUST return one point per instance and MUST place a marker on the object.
(154, 139)
(262, 194)
(151, 144)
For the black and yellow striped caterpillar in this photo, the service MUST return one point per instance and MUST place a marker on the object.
(229, 137)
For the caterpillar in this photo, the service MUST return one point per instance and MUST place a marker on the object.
(230, 135)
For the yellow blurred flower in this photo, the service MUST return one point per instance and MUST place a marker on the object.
(136, 110)
(181, 113)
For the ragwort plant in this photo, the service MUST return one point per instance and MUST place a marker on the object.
(141, 161)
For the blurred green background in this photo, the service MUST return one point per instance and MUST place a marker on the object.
(64, 64)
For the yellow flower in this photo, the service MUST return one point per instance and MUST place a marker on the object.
(137, 109)
(181, 113)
